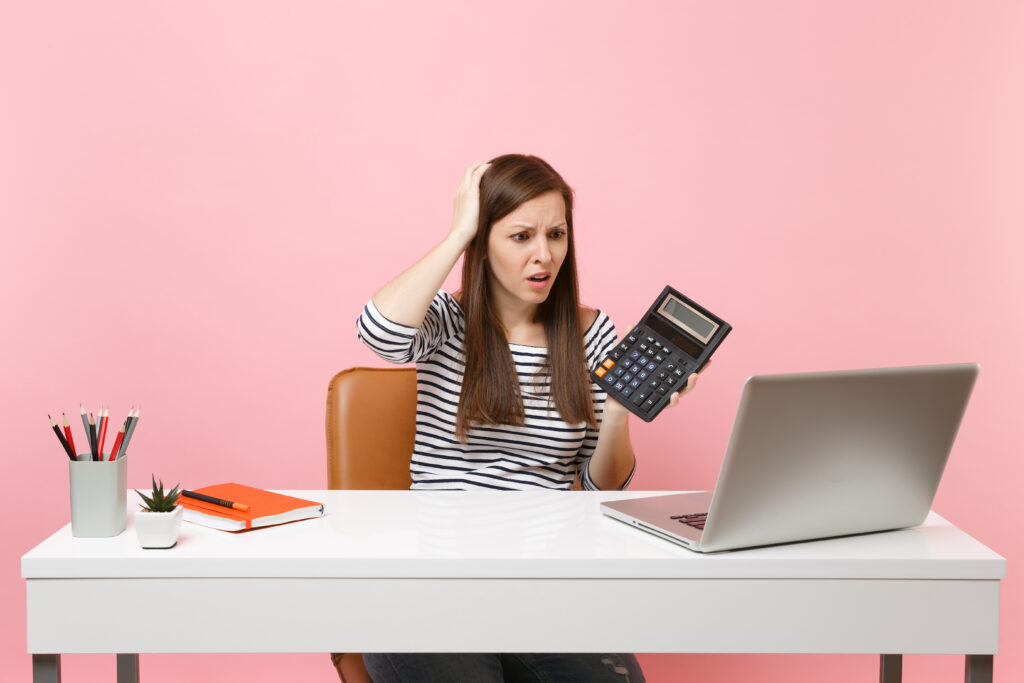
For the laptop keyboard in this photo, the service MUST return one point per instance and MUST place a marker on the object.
(695, 520)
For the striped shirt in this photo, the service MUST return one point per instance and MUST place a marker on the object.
(545, 452)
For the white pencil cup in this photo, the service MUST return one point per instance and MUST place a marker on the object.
(99, 496)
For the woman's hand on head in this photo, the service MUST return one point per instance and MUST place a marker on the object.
(691, 384)
(467, 204)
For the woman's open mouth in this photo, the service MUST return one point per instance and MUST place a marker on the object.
(539, 281)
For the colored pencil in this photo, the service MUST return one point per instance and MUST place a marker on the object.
(117, 441)
(216, 501)
(67, 433)
(92, 435)
(130, 430)
(63, 441)
(104, 417)
(128, 422)
(85, 423)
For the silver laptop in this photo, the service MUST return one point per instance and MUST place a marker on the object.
(820, 454)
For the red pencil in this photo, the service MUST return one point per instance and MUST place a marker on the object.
(103, 430)
(67, 433)
(60, 437)
(117, 442)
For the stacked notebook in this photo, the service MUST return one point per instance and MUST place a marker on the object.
(266, 508)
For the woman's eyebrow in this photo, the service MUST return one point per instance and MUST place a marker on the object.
(533, 227)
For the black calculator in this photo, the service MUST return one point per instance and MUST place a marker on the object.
(674, 340)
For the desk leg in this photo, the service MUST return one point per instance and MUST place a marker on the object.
(45, 668)
(127, 669)
(891, 669)
(978, 669)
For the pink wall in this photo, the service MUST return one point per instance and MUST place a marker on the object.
(197, 198)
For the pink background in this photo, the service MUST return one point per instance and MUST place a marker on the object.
(197, 198)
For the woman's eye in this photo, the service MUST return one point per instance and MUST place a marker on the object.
(557, 234)
(520, 237)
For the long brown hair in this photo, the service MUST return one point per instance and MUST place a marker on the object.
(490, 386)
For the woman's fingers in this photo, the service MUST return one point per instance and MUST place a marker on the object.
(474, 173)
(691, 384)
(471, 179)
(467, 202)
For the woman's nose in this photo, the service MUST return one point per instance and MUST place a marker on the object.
(543, 254)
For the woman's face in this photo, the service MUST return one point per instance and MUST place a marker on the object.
(526, 249)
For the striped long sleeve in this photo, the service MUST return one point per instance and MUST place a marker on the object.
(544, 452)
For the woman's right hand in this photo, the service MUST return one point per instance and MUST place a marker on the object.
(467, 204)
(406, 299)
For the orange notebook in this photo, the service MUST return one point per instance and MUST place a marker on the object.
(265, 508)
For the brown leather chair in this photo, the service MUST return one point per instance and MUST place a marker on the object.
(371, 425)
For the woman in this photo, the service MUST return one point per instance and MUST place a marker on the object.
(502, 369)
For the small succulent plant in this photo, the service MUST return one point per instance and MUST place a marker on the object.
(160, 502)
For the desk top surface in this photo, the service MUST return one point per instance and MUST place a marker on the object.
(471, 534)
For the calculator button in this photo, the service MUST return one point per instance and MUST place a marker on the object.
(634, 355)
(649, 352)
(635, 384)
(658, 358)
(636, 367)
(643, 347)
(642, 395)
(627, 378)
(648, 404)
(662, 389)
(626, 392)
(623, 347)
(643, 374)
(619, 371)
(600, 372)
(616, 354)
(669, 367)
(619, 386)
(608, 363)
(632, 338)
(651, 367)
(638, 397)
(662, 374)
(653, 384)
(678, 372)
(649, 339)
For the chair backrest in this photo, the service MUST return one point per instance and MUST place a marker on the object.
(371, 426)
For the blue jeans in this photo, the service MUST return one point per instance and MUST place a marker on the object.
(503, 668)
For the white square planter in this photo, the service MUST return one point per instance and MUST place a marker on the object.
(158, 529)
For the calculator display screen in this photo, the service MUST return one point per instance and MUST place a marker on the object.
(688, 318)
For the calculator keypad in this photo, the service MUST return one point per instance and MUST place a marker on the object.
(642, 373)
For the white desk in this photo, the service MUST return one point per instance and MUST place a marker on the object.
(524, 571)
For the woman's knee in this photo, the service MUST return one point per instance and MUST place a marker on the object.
(432, 667)
(559, 668)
